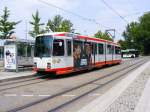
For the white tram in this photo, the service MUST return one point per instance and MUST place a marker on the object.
(63, 52)
(130, 53)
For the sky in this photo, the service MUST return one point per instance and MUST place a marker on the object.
(96, 10)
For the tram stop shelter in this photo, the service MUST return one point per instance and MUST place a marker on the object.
(18, 54)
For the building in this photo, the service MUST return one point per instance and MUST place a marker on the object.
(2, 48)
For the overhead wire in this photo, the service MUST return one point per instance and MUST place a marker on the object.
(112, 9)
(72, 13)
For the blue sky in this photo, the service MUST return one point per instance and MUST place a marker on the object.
(93, 9)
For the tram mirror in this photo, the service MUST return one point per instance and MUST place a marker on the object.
(60, 43)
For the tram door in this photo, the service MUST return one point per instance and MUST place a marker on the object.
(82, 54)
(89, 53)
(94, 53)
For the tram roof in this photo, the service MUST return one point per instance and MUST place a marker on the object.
(128, 50)
(77, 36)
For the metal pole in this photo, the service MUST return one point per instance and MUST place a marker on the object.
(114, 34)
(26, 30)
(16, 50)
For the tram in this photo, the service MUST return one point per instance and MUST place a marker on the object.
(63, 53)
(130, 53)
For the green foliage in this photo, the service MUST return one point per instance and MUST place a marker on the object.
(102, 35)
(66, 26)
(57, 24)
(7, 27)
(137, 34)
(144, 33)
(36, 25)
(130, 35)
(123, 44)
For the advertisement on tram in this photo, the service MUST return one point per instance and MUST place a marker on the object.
(82, 54)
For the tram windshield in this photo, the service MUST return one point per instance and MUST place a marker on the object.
(43, 46)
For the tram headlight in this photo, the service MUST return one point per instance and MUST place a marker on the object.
(35, 64)
(48, 65)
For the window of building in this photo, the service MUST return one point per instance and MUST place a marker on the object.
(1, 52)
(22, 49)
(29, 47)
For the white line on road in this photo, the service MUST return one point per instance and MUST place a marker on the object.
(68, 95)
(94, 94)
(27, 95)
(10, 95)
(44, 95)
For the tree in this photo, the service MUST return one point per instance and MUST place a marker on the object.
(66, 26)
(102, 35)
(144, 33)
(57, 22)
(36, 25)
(123, 44)
(59, 25)
(130, 35)
(137, 34)
(7, 27)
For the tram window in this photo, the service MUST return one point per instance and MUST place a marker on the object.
(117, 50)
(113, 48)
(100, 48)
(68, 47)
(58, 47)
(109, 49)
(94, 48)
(92, 44)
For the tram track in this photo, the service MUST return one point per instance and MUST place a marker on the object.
(32, 104)
(13, 84)
(20, 80)
(92, 90)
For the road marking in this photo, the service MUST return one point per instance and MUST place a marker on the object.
(27, 95)
(44, 95)
(94, 94)
(10, 95)
(68, 95)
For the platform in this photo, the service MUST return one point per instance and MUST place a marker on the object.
(117, 96)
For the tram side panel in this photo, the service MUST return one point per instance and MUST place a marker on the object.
(62, 60)
(101, 54)
(117, 54)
